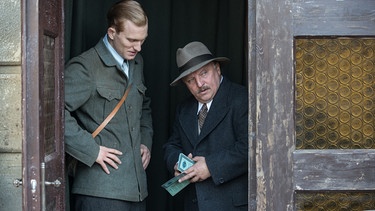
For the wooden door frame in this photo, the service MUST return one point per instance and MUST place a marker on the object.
(33, 17)
(30, 105)
(272, 29)
(251, 78)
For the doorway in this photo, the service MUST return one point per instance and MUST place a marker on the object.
(221, 25)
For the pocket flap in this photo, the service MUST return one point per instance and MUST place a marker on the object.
(109, 93)
(141, 88)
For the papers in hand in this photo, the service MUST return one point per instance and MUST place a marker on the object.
(184, 162)
(172, 185)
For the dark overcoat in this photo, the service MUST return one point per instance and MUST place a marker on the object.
(223, 142)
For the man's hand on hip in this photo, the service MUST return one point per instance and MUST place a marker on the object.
(108, 156)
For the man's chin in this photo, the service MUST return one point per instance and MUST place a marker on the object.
(131, 57)
(203, 99)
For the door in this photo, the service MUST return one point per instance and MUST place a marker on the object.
(315, 94)
(42, 66)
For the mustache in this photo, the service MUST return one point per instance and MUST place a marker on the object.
(202, 89)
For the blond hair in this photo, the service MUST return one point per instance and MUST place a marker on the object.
(126, 10)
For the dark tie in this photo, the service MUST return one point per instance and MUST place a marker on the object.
(202, 115)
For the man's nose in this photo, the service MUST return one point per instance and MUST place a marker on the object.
(199, 82)
(137, 46)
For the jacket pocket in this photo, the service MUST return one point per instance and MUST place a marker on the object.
(109, 93)
(140, 96)
(141, 89)
(108, 99)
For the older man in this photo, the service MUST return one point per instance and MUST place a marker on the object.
(211, 127)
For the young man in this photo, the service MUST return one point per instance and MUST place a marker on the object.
(110, 174)
(211, 127)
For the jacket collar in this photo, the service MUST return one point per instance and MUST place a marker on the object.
(108, 59)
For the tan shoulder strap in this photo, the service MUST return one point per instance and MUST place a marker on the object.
(112, 114)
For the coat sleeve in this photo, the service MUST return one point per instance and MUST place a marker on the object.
(78, 88)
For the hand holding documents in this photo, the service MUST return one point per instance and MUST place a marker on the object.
(184, 162)
(172, 185)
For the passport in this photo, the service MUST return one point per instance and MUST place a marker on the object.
(184, 162)
(173, 186)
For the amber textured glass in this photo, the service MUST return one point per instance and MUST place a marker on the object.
(335, 109)
(335, 93)
(335, 201)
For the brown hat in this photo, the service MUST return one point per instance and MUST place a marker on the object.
(192, 57)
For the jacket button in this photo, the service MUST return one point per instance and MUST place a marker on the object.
(221, 180)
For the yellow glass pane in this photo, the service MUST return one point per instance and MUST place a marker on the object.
(335, 201)
(335, 93)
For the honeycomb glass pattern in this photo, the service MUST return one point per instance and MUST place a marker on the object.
(335, 201)
(335, 96)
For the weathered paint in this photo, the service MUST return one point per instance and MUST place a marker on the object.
(334, 169)
(280, 170)
(274, 105)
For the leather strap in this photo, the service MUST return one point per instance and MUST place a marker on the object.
(112, 114)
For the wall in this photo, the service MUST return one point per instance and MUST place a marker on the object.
(10, 104)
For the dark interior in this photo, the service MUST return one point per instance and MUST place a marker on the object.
(220, 24)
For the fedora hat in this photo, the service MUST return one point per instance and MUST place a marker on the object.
(192, 57)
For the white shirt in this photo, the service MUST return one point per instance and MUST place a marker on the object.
(201, 104)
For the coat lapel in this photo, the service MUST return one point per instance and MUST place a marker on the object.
(132, 64)
(105, 55)
(218, 110)
(188, 120)
(108, 59)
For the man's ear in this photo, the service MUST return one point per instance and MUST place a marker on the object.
(217, 65)
(111, 32)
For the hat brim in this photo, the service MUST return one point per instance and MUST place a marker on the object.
(222, 60)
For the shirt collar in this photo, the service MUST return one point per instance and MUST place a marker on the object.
(113, 52)
(201, 104)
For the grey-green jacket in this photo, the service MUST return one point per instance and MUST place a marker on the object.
(94, 84)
